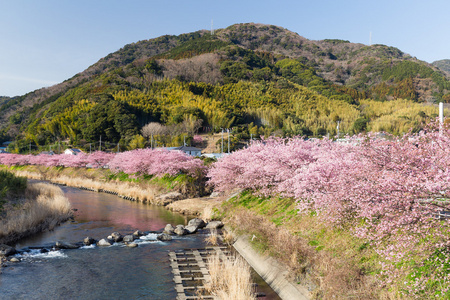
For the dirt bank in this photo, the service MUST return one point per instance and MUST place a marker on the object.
(196, 206)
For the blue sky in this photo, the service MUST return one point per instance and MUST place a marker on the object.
(45, 42)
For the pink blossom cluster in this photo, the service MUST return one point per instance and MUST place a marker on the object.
(197, 139)
(95, 160)
(388, 190)
(143, 161)
(391, 183)
(156, 162)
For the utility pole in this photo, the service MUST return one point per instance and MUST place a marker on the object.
(338, 128)
(100, 146)
(222, 140)
(228, 130)
(90, 149)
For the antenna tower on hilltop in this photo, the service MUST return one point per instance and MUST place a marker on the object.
(212, 28)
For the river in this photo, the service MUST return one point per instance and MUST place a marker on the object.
(115, 272)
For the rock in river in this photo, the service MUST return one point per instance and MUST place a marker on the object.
(6, 250)
(197, 222)
(180, 230)
(89, 241)
(191, 229)
(138, 233)
(117, 237)
(164, 237)
(169, 229)
(64, 245)
(128, 238)
(214, 225)
(105, 242)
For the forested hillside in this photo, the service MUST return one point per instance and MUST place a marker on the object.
(443, 64)
(257, 79)
(3, 99)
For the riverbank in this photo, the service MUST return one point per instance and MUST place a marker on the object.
(202, 207)
(147, 189)
(314, 260)
(345, 269)
(97, 180)
(40, 207)
(130, 273)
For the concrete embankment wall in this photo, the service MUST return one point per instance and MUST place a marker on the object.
(275, 274)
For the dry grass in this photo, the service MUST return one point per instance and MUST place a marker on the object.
(202, 207)
(29, 175)
(211, 141)
(140, 193)
(230, 278)
(122, 188)
(228, 238)
(213, 238)
(207, 213)
(44, 206)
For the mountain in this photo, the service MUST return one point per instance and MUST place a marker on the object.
(243, 75)
(443, 64)
(4, 99)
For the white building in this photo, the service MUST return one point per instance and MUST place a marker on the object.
(215, 155)
(72, 151)
(193, 151)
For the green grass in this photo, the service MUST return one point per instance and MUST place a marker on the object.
(18, 168)
(182, 182)
(337, 245)
(10, 185)
(121, 176)
(437, 268)
(170, 182)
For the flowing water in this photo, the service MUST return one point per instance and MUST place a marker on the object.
(115, 272)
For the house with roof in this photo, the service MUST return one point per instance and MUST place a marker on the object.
(47, 153)
(215, 155)
(5, 146)
(72, 151)
(193, 151)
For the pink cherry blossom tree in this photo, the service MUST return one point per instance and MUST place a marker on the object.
(389, 191)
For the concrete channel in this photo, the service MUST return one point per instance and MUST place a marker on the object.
(274, 274)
